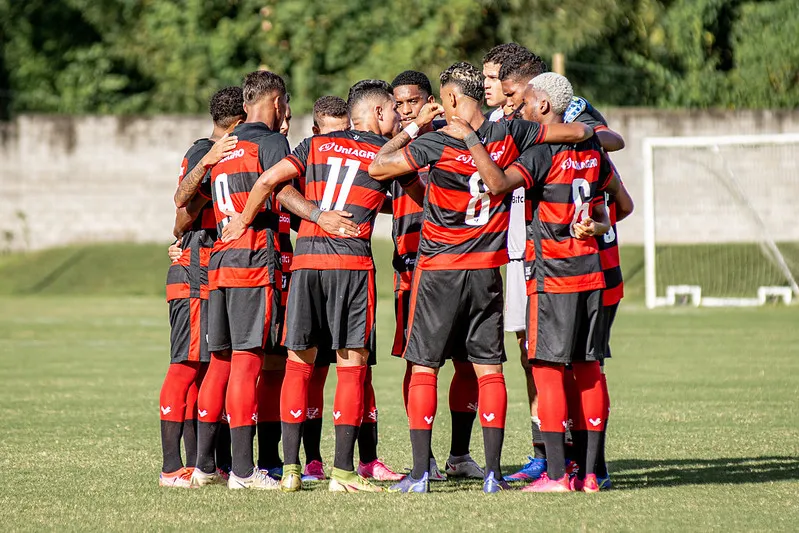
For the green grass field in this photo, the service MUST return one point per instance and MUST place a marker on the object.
(704, 431)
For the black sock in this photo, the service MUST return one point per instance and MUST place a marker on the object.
(224, 459)
(170, 444)
(367, 442)
(492, 442)
(268, 444)
(539, 450)
(292, 433)
(555, 454)
(601, 464)
(579, 442)
(420, 447)
(461, 432)
(345, 447)
(591, 449)
(206, 443)
(190, 441)
(241, 439)
(311, 439)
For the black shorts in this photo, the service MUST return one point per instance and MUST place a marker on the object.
(565, 328)
(188, 320)
(402, 304)
(243, 318)
(456, 314)
(606, 318)
(331, 309)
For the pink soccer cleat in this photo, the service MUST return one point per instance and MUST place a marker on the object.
(378, 471)
(314, 471)
(589, 484)
(544, 484)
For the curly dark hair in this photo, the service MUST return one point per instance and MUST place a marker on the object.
(328, 106)
(260, 83)
(413, 77)
(522, 66)
(227, 106)
(502, 52)
(467, 77)
(367, 89)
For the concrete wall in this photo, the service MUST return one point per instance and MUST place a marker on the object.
(80, 179)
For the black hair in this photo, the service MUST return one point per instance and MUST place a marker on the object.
(367, 89)
(467, 77)
(522, 66)
(413, 77)
(329, 106)
(260, 83)
(227, 106)
(502, 52)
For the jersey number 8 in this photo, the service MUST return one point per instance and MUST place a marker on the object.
(581, 196)
(479, 193)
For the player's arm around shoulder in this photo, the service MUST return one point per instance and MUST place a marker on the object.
(621, 196)
(390, 160)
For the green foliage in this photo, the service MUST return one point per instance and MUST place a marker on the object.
(160, 56)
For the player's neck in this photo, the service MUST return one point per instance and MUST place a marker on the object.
(217, 133)
(552, 118)
(366, 125)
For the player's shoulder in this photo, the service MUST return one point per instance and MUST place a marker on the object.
(199, 147)
(258, 133)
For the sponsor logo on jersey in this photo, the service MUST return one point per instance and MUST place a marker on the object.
(234, 155)
(579, 165)
(469, 161)
(364, 154)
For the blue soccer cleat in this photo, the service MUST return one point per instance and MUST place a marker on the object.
(408, 484)
(604, 482)
(491, 484)
(529, 472)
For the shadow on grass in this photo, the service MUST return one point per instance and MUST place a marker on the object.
(641, 473)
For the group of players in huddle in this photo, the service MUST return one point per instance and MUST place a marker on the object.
(256, 321)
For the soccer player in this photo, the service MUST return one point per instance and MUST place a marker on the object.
(492, 62)
(332, 295)
(244, 279)
(412, 90)
(187, 294)
(286, 124)
(563, 272)
(456, 297)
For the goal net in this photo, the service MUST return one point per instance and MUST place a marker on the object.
(721, 224)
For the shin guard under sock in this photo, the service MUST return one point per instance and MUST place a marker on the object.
(269, 427)
(190, 425)
(552, 413)
(463, 396)
(367, 435)
(348, 413)
(588, 378)
(241, 405)
(293, 408)
(210, 405)
(174, 391)
(493, 407)
(422, 405)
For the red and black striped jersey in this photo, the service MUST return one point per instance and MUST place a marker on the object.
(609, 258)
(406, 231)
(252, 260)
(188, 277)
(562, 181)
(336, 171)
(465, 226)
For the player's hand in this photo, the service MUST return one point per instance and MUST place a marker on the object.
(428, 114)
(584, 229)
(221, 149)
(234, 228)
(175, 251)
(338, 223)
(457, 128)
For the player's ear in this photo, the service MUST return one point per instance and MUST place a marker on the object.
(431, 99)
(545, 107)
(453, 100)
(315, 130)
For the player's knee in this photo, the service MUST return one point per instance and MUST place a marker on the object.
(352, 356)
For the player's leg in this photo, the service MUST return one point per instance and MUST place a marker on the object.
(609, 316)
(301, 336)
(463, 395)
(270, 383)
(370, 466)
(312, 427)
(486, 348)
(199, 326)
(250, 312)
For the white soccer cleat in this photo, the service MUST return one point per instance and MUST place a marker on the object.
(435, 473)
(201, 479)
(180, 479)
(259, 480)
(464, 467)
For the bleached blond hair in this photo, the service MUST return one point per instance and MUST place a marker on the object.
(558, 89)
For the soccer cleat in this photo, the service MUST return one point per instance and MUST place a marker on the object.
(292, 478)
(259, 480)
(529, 472)
(491, 484)
(408, 484)
(276, 472)
(464, 467)
(604, 482)
(224, 474)
(378, 471)
(589, 484)
(314, 471)
(544, 484)
(179, 478)
(345, 481)
(201, 479)
(435, 473)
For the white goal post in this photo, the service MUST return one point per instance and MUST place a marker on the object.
(717, 163)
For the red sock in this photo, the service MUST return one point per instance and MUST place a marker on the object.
(316, 392)
(493, 401)
(573, 402)
(211, 397)
(269, 385)
(369, 403)
(422, 400)
(406, 384)
(463, 390)
(552, 410)
(174, 392)
(348, 402)
(606, 395)
(589, 382)
(294, 393)
(191, 401)
(241, 403)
